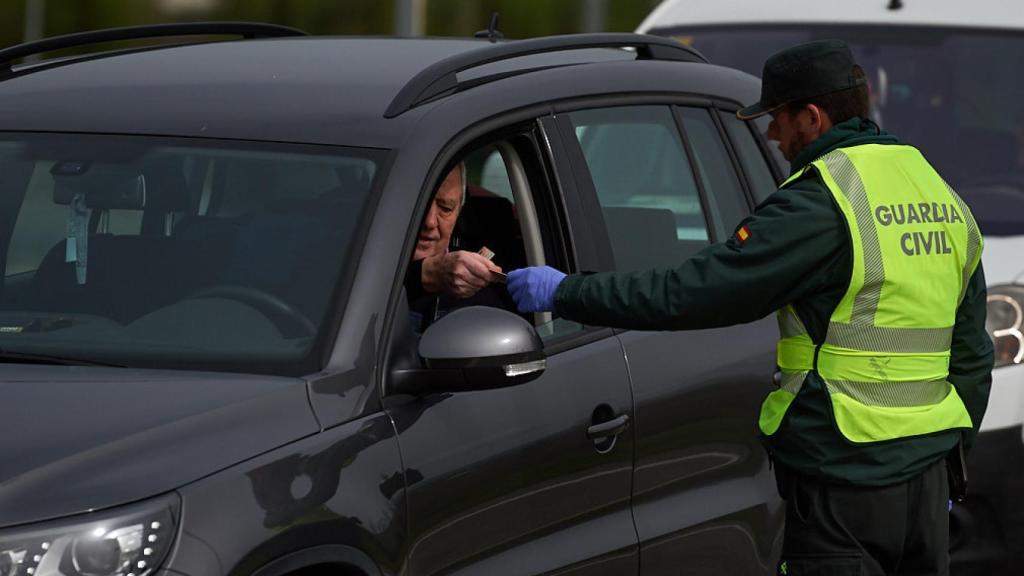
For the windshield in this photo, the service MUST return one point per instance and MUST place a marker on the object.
(174, 253)
(954, 94)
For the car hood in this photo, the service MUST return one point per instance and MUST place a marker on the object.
(76, 439)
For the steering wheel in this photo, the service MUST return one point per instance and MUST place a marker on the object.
(288, 320)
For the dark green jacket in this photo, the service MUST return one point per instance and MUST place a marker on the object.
(798, 251)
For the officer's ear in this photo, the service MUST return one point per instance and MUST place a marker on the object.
(817, 121)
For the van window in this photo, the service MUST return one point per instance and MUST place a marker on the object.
(946, 91)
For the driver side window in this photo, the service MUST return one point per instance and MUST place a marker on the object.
(467, 239)
(506, 217)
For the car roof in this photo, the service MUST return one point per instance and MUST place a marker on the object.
(326, 90)
(1005, 14)
(284, 88)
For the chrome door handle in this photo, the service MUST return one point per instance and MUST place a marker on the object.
(613, 427)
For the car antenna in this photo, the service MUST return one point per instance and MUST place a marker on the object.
(895, 4)
(492, 32)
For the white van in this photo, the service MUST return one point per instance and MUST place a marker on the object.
(946, 76)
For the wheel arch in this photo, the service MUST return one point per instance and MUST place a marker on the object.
(311, 561)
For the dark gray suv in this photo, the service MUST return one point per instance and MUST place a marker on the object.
(209, 365)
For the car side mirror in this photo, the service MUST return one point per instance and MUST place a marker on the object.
(474, 348)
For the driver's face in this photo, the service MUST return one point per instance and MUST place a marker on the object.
(436, 231)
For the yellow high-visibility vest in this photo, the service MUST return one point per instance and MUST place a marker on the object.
(885, 358)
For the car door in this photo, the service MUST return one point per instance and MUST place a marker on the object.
(704, 499)
(514, 480)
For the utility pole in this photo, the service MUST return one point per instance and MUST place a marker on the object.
(410, 17)
(594, 12)
(34, 19)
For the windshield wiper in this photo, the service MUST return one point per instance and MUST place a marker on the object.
(9, 357)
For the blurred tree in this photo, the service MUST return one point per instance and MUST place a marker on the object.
(13, 23)
(527, 18)
(519, 18)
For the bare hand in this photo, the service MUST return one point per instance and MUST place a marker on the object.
(460, 273)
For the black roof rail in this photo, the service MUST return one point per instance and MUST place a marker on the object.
(244, 29)
(440, 77)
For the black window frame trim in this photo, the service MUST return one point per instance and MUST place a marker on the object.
(698, 173)
(762, 145)
(730, 147)
(559, 157)
(594, 231)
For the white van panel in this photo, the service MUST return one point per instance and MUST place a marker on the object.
(976, 13)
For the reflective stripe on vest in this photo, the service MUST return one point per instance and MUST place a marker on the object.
(885, 358)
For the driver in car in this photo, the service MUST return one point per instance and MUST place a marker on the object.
(441, 279)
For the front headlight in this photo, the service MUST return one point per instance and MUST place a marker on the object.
(1005, 316)
(130, 541)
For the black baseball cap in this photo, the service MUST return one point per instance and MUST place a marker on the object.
(801, 72)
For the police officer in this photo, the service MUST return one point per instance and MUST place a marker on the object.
(873, 265)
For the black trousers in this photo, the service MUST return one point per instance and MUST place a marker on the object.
(839, 530)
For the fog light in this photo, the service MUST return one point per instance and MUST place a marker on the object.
(109, 543)
(9, 560)
(96, 557)
(1003, 322)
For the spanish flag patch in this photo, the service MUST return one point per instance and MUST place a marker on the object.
(742, 234)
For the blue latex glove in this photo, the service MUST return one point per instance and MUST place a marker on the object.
(533, 288)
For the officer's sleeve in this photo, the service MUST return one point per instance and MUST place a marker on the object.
(970, 363)
(789, 247)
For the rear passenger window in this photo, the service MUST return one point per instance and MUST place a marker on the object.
(717, 172)
(762, 181)
(644, 183)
